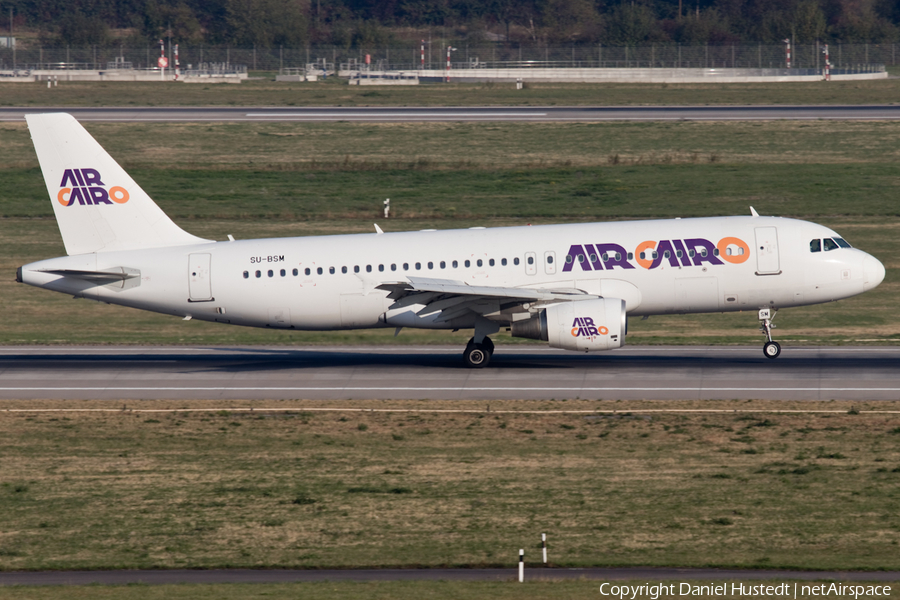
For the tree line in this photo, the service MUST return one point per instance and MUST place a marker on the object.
(355, 23)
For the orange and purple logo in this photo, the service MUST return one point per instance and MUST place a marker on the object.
(584, 327)
(652, 254)
(84, 187)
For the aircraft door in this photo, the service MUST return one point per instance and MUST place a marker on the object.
(199, 278)
(767, 262)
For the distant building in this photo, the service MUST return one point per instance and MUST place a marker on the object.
(7, 41)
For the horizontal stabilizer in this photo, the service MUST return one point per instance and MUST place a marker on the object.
(115, 274)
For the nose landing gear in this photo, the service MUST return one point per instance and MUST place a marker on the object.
(771, 349)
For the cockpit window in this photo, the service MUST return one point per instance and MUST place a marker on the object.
(815, 245)
(842, 243)
(830, 244)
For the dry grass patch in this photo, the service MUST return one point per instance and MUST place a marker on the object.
(288, 485)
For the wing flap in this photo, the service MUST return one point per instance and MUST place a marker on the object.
(456, 298)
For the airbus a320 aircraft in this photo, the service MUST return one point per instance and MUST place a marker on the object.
(572, 286)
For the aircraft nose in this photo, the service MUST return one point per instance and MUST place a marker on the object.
(873, 272)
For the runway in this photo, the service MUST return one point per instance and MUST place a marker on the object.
(487, 114)
(219, 576)
(405, 372)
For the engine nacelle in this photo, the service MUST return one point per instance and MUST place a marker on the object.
(583, 325)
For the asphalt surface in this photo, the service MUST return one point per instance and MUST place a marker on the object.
(502, 113)
(643, 574)
(404, 372)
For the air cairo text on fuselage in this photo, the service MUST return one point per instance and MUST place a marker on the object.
(692, 252)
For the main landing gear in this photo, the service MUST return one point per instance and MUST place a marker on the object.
(478, 356)
(478, 353)
(771, 349)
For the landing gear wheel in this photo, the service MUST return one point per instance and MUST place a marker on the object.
(476, 356)
(488, 345)
(772, 349)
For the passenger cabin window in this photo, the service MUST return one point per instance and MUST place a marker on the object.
(283, 272)
(368, 268)
(491, 262)
(271, 273)
(830, 244)
(306, 271)
(503, 262)
(381, 268)
(468, 264)
(319, 270)
(443, 265)
(296, 272)
(550, 258)
(479, 262)
(406, 266)
(331, 270)
(455, 264)
(516, 260)
(393, 267)
(258, 274)
(430, 265)
(343, 269)
(418, 266)
(530, 260)
(356, 268)
(246, 275)
(815, 245)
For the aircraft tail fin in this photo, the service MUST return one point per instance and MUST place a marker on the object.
(98, 206)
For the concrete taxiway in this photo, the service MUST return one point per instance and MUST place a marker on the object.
(426, 372)
(493, 113)
(217, 576)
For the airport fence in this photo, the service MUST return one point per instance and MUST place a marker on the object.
(851, 57)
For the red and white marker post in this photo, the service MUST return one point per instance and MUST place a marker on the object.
(521, 565)
(177, 64)
(787, 50)
(827, 63)
(422, 60)
(449, 49)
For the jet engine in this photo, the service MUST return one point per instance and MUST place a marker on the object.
(584, 325)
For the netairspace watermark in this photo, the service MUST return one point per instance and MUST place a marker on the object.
(783, 590)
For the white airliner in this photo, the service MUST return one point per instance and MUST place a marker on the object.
(572, 286)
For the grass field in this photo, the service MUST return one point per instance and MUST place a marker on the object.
(306, 488)
(334, 92)
(571, 590)
(264, 180)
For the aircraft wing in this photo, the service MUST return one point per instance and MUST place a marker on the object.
(456, 298)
